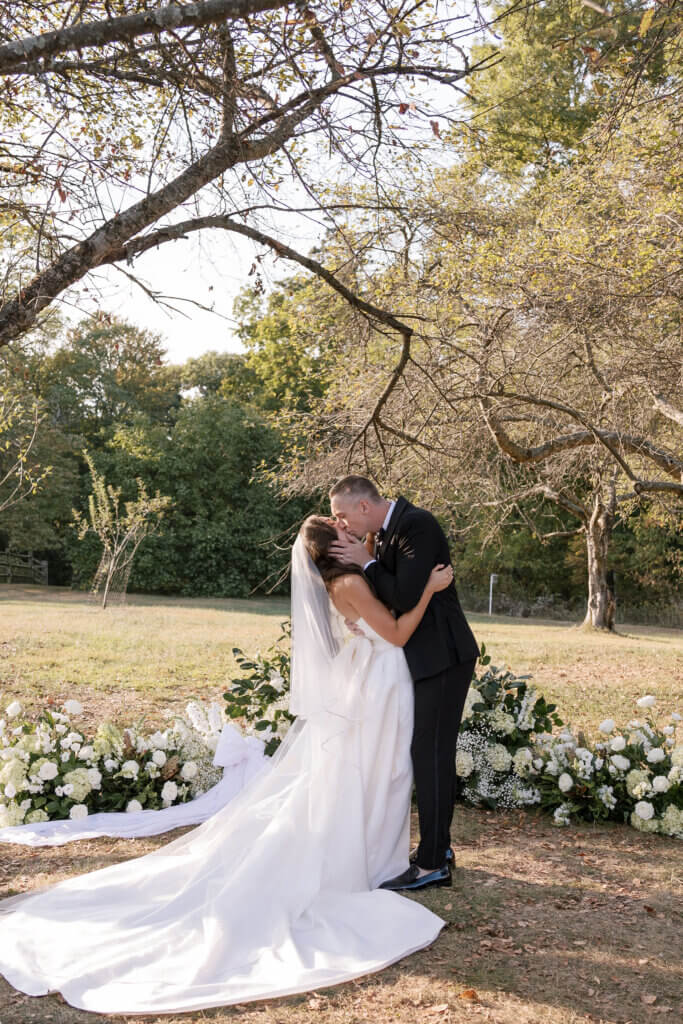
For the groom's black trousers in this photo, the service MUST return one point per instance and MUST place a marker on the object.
(439, 703)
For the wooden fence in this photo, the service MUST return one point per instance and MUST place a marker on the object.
(22, 569)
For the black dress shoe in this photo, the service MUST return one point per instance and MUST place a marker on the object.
(450, 856)
(412, 879)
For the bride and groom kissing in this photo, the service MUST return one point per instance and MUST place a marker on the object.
(295, 884)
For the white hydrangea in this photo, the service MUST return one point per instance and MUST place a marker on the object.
(498, 757)
(79, 782)
(95, 778)
(562, 815)
(78, 811)
(464, 764)
(501, 722)
(606, 795)
(677, 756)
(159, 740)
(671, 821)
(36, 816)
(133, 806)
(522, 761)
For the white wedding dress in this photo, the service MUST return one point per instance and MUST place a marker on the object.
(275, 894)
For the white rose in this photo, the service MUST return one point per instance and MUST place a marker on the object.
(565, 782)
(130, 769)
(648, 701)
(607, 726)
(644, 810)
(158, 740)
(78, 811)
(65, 756)
(133, 806)
(169, 792)
(86, 753)
(48, 770)
(617, 744)
(622, 763)
(668, 730)
(60, 728)
(656, 755)
(111, 765)
(660, 784)
(159, 758)
(189, 771)
(73, 707)
(13, 709)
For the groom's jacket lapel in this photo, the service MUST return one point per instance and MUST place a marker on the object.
(399, 509)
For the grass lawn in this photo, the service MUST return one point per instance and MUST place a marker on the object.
(545, 926)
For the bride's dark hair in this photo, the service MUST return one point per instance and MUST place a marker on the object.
(318, 534)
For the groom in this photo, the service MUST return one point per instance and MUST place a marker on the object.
(441, 653)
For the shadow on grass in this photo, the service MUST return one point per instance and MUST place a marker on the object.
(63, 595)
(548, 926)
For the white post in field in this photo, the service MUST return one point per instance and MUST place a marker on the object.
(493, 579)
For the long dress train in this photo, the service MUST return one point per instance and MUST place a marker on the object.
(275, 894)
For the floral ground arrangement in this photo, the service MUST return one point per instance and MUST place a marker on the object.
(514, 751)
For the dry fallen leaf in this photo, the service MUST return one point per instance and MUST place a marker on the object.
(438, 1008)
(648, 999)
(469, 993)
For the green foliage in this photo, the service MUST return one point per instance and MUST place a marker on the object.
(562, 63)
(260, 696)
(220, 536)
(103, 375)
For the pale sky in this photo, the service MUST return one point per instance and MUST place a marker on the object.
(210, 268)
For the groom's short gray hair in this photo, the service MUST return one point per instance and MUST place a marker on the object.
(356, 487)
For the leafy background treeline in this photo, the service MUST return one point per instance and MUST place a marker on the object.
(204, 432)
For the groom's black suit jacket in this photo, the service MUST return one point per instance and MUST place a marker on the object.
(412, 545)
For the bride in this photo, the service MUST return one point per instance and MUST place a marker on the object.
(277, 892)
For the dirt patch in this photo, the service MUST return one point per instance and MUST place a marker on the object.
(545, 926)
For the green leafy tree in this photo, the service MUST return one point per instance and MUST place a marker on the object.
(559, 66)
(105, 374)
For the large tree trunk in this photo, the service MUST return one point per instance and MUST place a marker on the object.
(601, 597)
